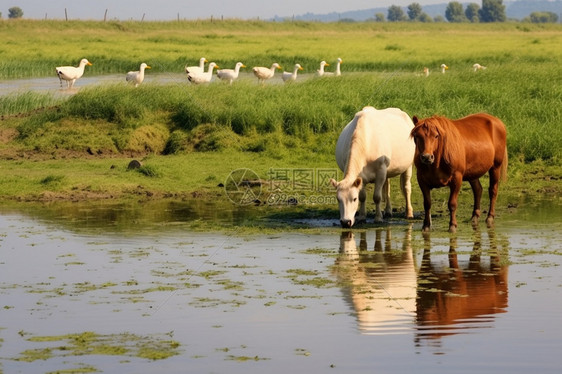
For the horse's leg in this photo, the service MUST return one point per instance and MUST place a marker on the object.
(493, 193)
(362, 214)
(426, 191)
(406, 187)
(388, 206)
(380, 180)
(453, 258)
(477, 192)
(455, 187)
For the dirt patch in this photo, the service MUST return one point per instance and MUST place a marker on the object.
(7, 135)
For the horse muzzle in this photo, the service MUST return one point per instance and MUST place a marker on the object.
(346, 223)
(427, 158)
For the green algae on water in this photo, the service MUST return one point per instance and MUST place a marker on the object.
(90, 343)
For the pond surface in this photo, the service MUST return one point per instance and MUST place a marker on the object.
(145, 287)
(52, 84)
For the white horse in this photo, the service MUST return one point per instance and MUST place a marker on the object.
(373, 147)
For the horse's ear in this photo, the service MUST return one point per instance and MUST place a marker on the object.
(415, 120)
(358, 182)
(333, 182)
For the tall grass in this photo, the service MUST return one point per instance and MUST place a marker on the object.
(25, 102)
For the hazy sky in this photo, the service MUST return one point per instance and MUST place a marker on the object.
(189, 9)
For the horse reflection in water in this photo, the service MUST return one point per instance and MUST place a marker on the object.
(381, 284)
(390, 293)
(459, 297)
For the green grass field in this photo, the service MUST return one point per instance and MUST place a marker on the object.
(294, 125)
(34, 48)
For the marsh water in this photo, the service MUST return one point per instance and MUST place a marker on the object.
(53, 86)
(194, 287)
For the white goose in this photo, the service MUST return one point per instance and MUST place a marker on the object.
(137, 77)
(230, 74)
(443, 68)
(264, 73)
(202, 77)
(291, 77)
(337, 73)
(477, 67)
(197, 69)
(71, 73)
(320, 72)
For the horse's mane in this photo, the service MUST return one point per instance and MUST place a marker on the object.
(451, 140)
(451, 145)
(356, 157)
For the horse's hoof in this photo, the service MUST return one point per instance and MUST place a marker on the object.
(452, 229)
(490, 222)
(387, 214)
(426, 229)
(474, 220)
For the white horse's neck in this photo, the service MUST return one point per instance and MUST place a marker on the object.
(356, 160)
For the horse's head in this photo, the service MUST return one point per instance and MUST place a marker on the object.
(348, 200)
(426, 136)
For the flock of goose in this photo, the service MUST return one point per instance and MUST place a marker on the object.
(198, 75)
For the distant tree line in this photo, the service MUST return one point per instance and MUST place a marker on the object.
(491, 11)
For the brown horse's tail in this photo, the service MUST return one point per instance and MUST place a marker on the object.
(503, 170)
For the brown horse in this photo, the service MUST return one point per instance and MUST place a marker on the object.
(449, 152)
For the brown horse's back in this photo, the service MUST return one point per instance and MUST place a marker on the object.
(484, 137)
